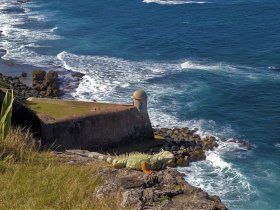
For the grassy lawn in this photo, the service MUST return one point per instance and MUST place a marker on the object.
(31, 179)
(60, 109)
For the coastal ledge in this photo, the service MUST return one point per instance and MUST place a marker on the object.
(163, 190)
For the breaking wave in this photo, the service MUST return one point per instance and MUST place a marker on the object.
(218, 177)
(19, 41)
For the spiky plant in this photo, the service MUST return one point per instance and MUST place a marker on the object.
(6, 114)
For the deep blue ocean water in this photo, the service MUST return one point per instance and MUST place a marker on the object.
(211, 64)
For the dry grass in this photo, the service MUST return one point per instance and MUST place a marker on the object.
(31, 179)
(21, 144)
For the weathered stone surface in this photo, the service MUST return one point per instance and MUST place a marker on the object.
(185, 144)
(100, 126)
(53, 90)
(38, 75)
(197, 154)
(77, 74)
(166, 189)
(47, 82)
(209, 143)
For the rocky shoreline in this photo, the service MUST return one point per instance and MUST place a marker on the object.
(20, 77)
(165, 189)
(185, 144)
(21, 90)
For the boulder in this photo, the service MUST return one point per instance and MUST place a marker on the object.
(197, 154)
(77, 74)
(51, 78)
(209, 143)
(47, 83)
(38, 75)
(53, 90)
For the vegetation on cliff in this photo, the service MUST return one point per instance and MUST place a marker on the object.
(33, 179)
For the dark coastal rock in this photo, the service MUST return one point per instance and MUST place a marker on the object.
(38, 75)
(185, 144)
(23, 74)
(165, 189)
(21, 91)
(197, 154)
(53, 90)
(50, 78)
(52, 84)
(77, 74)
(46, 83)
(209, 143)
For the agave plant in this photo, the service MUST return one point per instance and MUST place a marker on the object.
(6, 114)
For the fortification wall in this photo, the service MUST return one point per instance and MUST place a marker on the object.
(99, 130)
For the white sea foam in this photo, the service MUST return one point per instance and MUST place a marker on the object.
(53, 29)
(277, 145)
(174, 2)
(218, 177)
(199, 66)
(19, 41)
(217, 161)
(105, 76)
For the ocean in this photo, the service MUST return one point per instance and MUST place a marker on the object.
(210, 64)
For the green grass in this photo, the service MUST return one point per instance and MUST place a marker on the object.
(33, 179)
(59, 109)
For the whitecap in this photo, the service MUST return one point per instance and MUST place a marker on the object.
(217, 161)
(195, 65)
(53, 29)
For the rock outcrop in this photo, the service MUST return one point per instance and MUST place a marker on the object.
(21, 90)
(46, 82)
(166, 189)
(185, 144)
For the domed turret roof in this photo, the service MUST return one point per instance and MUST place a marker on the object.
(139, 94)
